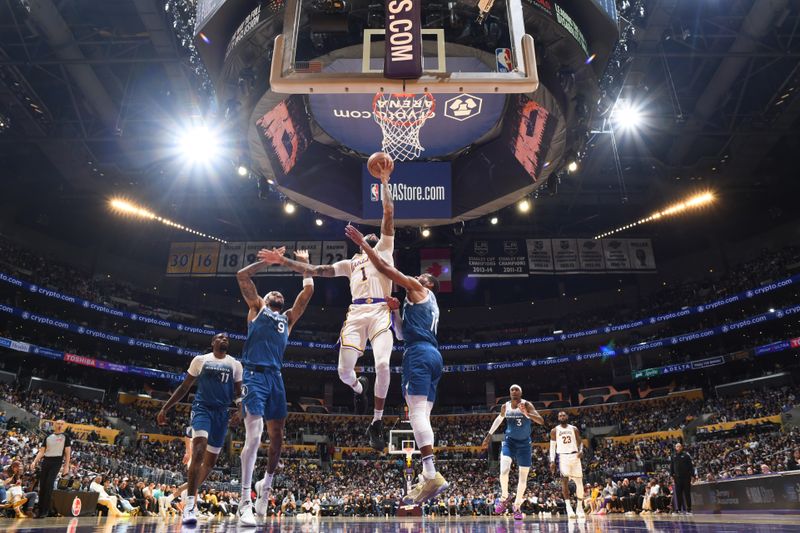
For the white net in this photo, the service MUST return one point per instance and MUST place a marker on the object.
(401, 116)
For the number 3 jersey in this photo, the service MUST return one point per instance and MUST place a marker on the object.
(267, 336)
(518, 426)
(215, 379)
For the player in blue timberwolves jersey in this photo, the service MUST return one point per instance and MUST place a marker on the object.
(422, 363)
(219, 386)
(268, 329)
(518, 415)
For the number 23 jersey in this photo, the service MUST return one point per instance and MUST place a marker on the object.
(565, 439)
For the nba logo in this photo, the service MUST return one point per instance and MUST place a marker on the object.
(375, 192)
(504, 63)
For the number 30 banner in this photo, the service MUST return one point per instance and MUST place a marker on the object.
(204, 259)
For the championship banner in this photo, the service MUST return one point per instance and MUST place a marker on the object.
(616, 255)
(540, 256)
(436, 262)
(565, 255)
(497, 259)
(590, 255)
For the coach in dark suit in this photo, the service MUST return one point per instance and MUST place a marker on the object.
(682, 469)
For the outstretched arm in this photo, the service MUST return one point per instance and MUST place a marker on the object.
(246, 285)
(407, 282)
(387, 224)
(273, 258)
(301, 302)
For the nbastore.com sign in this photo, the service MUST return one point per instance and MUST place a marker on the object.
(419, 191)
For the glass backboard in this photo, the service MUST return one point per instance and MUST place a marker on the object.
(339, 46)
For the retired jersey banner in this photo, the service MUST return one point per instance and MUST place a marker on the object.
(205, 259)
(436, 262)
(640, 253)
(590, 255)
(615, 252)
(497, 259)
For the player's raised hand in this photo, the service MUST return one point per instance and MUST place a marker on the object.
(386, 170)
(354, 235)
(161, 418)
(272, 257)
(301, 255)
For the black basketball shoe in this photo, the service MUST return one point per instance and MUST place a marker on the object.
(361, 401)
(375, 432)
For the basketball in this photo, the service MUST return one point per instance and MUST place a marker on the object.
(378, 160)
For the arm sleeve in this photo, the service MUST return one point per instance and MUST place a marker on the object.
(67, 441)
(342, 268)
(385, 244)
(552, 451)
(496, 424)
(237, 371)
(196, 366)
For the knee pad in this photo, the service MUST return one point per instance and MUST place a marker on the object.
(505, 465)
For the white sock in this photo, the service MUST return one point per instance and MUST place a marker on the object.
(378, 415)
(358, 388)
(428, 469)
(190, 502)
(569, 507)
(246, 496)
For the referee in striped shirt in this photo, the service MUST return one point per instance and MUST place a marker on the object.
(54, 455)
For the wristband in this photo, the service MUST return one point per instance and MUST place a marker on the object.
(308, 282)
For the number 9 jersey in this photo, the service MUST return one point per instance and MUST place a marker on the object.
(267, 336)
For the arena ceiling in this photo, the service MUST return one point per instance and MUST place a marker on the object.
(89, 89)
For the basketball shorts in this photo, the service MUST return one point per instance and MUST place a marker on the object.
(422, 370)
(264, 394)
(212, 423)
(364, 322)
(570, 465)
(518, 450)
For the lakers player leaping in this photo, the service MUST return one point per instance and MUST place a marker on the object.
(369, 316)
(565, 440)
(518, 415)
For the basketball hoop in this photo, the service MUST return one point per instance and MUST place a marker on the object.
(401, 116)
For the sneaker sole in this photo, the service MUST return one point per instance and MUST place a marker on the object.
(189, 522)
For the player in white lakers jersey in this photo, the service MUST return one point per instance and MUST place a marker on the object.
(565, 441)
(369, 316)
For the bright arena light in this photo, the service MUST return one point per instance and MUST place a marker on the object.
(693, 202)
(494, 221)
(318, 222)
(242, 170)
(124, 207)
(626, 115)
(573, 166)
(524, 205)
(426, 232)
(199, 144)
(289, 208)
